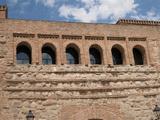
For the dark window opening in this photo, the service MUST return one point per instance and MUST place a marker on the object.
(95, 56)
(72, 56)
(138, 57)
(23, 55)
(48, 56)
(117, 57)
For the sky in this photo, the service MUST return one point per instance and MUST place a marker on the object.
(88, 11)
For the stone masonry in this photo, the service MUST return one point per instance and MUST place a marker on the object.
(82, 91)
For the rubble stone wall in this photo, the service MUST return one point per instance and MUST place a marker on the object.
(59, 92)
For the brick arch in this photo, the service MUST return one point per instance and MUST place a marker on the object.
(122, 51)
(142, 50)
(76, 48)
(26, 48)
(99, 48)
(53, 50)
(93, 112)
(25, 43)
(52, 46)
(73, 45)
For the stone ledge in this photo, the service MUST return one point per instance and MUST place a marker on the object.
(118, 96)
(78, 80)
(73, 97)
(102, 89)
(65, 71)
(84, 72)
(80, 69)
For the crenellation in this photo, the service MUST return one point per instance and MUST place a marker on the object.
(3, 7)
(138, 22)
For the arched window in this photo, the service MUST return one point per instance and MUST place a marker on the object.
(95, 56)
(48, 55)
(23, 55)
(72, 55)
(117, 56)
(138, 56)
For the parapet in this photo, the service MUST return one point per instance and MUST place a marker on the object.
(3, 7)
(138, 22)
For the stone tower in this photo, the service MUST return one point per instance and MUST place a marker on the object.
(3, 12)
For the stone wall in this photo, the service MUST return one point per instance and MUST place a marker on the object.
(3, 64)
(84, 91)
(68, 92)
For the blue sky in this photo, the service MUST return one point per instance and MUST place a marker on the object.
(92, 11)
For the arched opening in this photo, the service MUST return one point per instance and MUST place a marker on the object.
(72, 55)
(48, 55)
(23, 54)
(117, 56)
(92, 112)
(95, 56)
(138, 57)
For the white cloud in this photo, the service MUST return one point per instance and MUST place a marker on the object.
(47, 3)
(150, 15)
(94, 10)
(79, 14)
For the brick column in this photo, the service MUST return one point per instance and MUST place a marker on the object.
(128, 53)
(83, 53)
(36, 52)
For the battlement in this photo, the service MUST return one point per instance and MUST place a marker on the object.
(138, 22)
(3, 7)
(3, 11)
